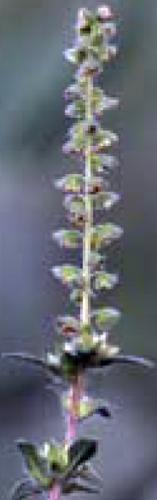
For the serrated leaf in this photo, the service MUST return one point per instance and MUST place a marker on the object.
(105, 317)
(68, 238)
(105, 280)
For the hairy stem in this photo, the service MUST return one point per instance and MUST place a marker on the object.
(76, 393)
(85, 312)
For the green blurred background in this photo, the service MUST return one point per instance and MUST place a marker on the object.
(33, 75)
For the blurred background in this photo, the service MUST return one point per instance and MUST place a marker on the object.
(33, 76)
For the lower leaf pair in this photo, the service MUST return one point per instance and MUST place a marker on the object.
(53, 465)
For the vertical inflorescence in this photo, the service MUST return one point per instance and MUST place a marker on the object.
(88, 191)
(61, 468)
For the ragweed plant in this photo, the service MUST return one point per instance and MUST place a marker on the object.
(55, 469)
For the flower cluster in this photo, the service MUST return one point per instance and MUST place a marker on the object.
(84, 337)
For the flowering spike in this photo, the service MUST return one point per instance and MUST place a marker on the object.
(56, 469)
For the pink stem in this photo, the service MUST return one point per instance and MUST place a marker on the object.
(76, 392)
(55, 493)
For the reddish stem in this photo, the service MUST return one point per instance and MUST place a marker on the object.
(76, 393)
(55, 493)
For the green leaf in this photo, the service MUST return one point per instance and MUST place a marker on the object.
(105, 317)
(76, 109)
(75, 204)
(104, 234)
(68, 274)
(68, 367)
(105, 200)
(68, 238)
(102, 162)
(77, 135)
(81, 451)
(105, 280)
(36, 466)
(72, 183)
(57, 457)
(103, 140)
(101, 102)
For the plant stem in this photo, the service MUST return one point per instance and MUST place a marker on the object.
(76, 393)
(77, 387)
(55, 493)
(85, 312)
